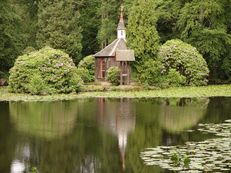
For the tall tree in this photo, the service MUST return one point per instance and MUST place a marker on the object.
(90, 23)
(142, 34)
(204, 25)
(12, 35)
(108, 12)
(58, 26)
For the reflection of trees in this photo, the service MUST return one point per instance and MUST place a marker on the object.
(152, 116)
(218, 109)
(90, 141)
(7, 143)
(86, 148)
(180, 114)
(44, 119)
(147, 134)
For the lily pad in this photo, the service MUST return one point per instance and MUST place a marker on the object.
(212, 155)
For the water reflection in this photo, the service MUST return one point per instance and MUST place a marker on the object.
(22, 156)
(47, 120)
(17, 167)
(180, 114)
(118, 117)
(90, 164)
(98, 135)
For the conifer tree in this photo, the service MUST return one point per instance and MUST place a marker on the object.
(12, 36)
(90, 23)
(142, 34)
(58, 26)
(109, 14)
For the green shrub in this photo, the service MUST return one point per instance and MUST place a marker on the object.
(153, 73)
(85, 75)
(37, 85)
(45, 71)
(4, 75)
(185, 59)
(87, 65)
(113, 74)
(150, 73)
(174, 78)
(28, 49)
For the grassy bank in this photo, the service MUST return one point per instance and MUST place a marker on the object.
(205, 91)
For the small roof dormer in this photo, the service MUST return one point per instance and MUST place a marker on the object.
(121, 30)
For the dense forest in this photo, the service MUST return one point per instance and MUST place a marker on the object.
(82, 27)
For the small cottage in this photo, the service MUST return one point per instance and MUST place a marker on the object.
(115, 54)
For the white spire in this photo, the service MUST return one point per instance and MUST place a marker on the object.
(121, 31)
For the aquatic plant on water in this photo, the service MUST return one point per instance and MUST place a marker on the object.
(209, 155)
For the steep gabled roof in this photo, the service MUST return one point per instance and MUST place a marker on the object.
(110, 50)
(125, 55)
(121, 25)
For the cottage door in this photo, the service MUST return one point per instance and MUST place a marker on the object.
(102, 68)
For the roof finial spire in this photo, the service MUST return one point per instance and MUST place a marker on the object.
(121, 27)
(121, 13)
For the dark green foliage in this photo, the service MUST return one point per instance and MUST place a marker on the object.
(167, 13)
(204, 24)
(142, 34)
(90, 24)
(113, 74)
(4, 75)
(46, 71)
(58, 26)
(185, 59)
(17, 29)
(109, 15)
(11, 39)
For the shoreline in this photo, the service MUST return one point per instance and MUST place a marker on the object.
(179, 92)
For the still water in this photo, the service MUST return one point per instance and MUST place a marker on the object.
(99, 135)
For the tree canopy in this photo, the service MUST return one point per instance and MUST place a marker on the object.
(82, 28)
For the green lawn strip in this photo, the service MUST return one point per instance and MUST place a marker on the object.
(204, 91)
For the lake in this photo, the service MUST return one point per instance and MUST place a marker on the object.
(100, 135)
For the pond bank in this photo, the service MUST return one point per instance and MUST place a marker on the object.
(204, 91)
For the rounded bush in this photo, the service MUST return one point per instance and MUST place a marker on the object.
(47, 71)
(150, 73)
(185, 59)
(85, 75)
(113, 74)
(87, 68)
(174, 79)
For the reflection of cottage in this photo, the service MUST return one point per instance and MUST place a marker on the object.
(119, 118)
(115, 54)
